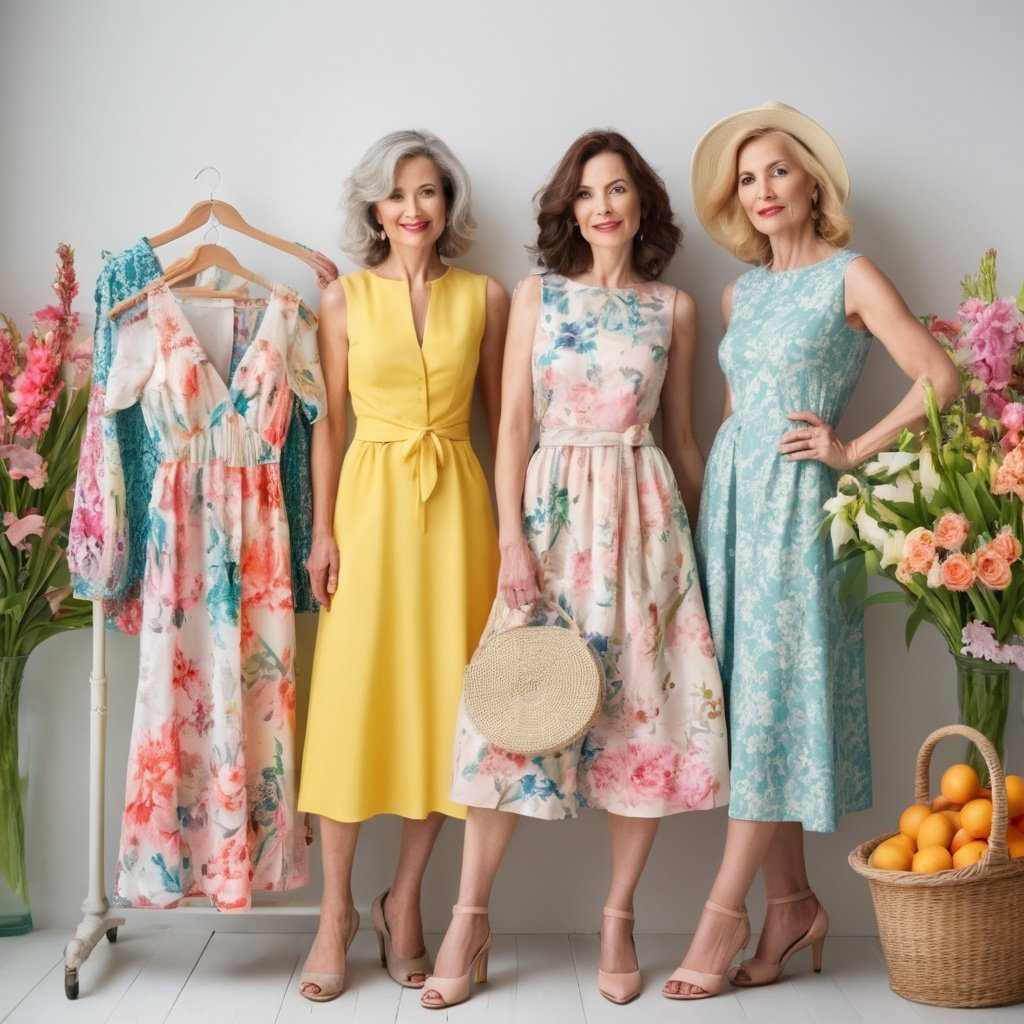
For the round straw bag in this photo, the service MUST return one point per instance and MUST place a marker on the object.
(534, 689)
(953, 938)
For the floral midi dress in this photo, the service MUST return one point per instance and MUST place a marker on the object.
(792, 655)
(604, 517)
(210, 800)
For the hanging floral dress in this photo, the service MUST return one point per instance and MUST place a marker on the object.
(604, 517)
(210, 799)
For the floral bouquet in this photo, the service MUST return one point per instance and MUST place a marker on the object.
(43, 401)
(941, 516)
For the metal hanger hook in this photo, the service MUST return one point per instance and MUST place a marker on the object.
(216, 184)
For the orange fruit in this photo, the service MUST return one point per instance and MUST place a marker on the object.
(959, 840)
(940, 803)
(1018, 822)
(1014, 796)
(891, 856)
(911, 818)
(954, 816)
(1014, 841)
(970, 854)
(905, 842)
(985, 792)
(933, 858)
(976, 818)
(960, 784)
(935, 830)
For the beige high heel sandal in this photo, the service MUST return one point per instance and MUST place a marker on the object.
(761, 972)
(330, 985)
(624, 986)
(400, 968)
(711, 983)
(452, 991)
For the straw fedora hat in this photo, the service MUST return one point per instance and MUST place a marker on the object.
(716, 146)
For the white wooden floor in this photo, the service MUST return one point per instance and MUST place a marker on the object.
(155, 974)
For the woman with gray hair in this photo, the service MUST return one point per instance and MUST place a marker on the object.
(404, 556)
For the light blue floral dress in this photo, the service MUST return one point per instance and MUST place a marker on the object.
(792, 656)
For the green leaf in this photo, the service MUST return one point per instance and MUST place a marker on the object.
(969, 504)
(885, 597)
(914, 620)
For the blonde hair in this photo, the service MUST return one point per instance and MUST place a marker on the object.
(373, 179)
(746, 242)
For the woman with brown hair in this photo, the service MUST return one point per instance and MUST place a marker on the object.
(595, 524)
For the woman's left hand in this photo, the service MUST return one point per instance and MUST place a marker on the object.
(816, 441)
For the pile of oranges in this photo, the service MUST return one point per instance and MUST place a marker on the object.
(953, 830)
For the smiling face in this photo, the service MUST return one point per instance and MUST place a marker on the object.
(413, 215)
(775, 191)
(607, 203)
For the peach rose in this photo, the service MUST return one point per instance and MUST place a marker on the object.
(1006, 545)
(903, 572)
(951, 531)
(919, 550)
(993, 570)
(957, 573)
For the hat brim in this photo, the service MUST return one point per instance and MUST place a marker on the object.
(714, 146)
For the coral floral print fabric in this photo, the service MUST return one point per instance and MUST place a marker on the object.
(602, 513)
(210, 802)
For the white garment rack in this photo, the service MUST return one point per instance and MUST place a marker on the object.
(97, 920)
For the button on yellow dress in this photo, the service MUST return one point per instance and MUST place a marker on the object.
(418, 558)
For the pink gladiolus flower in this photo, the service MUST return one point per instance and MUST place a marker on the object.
(1012, 416)
(948, 330)
(971, 309)
(24, 464)
(8, 360)
(19, 530)
(48, 318)
(35, 391)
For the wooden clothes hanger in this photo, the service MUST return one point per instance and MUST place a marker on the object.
(217, 212)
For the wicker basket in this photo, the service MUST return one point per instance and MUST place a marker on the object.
(953, 938)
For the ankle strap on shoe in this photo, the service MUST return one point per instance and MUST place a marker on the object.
(773, 901)
(740, 915)
(626, 915)
(458, 909)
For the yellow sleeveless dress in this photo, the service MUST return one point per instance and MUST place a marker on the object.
(418, 558)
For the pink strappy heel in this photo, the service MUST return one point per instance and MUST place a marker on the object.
(761, 972)
(711, 983)
(452, 991)
(623, 987)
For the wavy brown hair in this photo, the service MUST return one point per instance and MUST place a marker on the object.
(561, 248)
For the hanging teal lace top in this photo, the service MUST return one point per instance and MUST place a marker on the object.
(122, 276)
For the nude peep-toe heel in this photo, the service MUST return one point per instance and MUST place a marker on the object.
(330, 985)
(623, 987)
(712, 983)
(453, 991)
(400, 968)
(762, 972)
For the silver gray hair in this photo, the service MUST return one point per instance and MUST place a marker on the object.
(372, 180)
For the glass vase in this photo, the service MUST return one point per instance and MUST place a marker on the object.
(983, 689)
(15, 917)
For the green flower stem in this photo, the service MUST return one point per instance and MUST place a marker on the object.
(12, 786)
(984, 692)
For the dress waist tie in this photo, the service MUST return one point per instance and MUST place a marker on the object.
(421, 445)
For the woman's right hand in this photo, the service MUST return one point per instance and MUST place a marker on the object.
(322, 566)
(519, 576)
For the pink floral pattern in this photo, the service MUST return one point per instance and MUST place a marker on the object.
(607, 523)
(210, 802)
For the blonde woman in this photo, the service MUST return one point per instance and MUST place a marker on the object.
(404, 556)
(770, 185)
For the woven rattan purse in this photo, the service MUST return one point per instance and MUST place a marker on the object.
(534, 689)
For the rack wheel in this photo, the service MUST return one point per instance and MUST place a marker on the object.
(112, 934)
(71, 982)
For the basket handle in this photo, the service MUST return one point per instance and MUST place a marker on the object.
(553, 606)
(997, 853)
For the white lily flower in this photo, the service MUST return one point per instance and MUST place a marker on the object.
(841, 532)
(838, 502)
(929, 477)
(890, 463)
(892, 551)
(901, 489)
(870, 531)
(935, 575)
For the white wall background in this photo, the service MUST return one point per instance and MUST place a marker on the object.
(108, 109)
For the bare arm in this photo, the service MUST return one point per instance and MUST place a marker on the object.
(329, 442)
(518, 576)
(492, 348)
(872, 299)
(679, 441)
